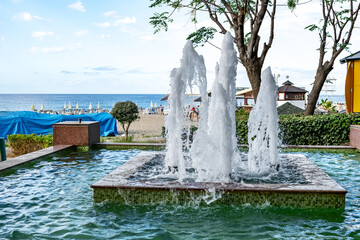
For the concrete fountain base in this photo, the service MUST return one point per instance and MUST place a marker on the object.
(320, 191)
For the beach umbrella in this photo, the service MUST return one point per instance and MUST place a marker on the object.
(98, 105)
(155, 105)
(32, 107)
(69, 105)
(65, 105)
(42, 107)
(90, 106)
(77, 105)
(151, 104)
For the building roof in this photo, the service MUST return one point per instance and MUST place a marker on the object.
(353, 56)
(291, 89)
(288, 108)
(288, 83)
(242, 92)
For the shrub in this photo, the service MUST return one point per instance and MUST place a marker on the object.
(125, 113)
(332, 129)
(21, 143)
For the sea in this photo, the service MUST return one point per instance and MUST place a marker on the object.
(23, 102)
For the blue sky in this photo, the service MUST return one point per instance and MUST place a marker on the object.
(108, 46)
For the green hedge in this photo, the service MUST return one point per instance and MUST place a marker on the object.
(333, 129)
(21, 143)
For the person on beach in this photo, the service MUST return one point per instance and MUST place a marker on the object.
(161, 110)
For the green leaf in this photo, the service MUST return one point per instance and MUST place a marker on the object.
(201, 36)
(160, 21)
(159, 3)
(292, 4)
(312, 27)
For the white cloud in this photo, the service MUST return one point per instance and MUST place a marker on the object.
(105, 24)
(41, 35)
(81, 32)
(109, 13)
(25, 16)
(77, 6)
(148, 38)
(2, 38)
(69, 47)
(105, 35)
(126, 20)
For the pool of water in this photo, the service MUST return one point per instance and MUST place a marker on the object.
(51, 199)
(154, 171)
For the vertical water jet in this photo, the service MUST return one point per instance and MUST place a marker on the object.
(263, 128)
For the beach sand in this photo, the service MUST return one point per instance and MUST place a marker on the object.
(147, 128)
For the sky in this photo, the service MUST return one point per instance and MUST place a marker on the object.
(108, 46)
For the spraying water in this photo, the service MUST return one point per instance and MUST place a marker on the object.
(263, 128)
(215, 146)
(192, 71)
(214, 152)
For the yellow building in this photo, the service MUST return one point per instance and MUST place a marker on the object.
(352, 83)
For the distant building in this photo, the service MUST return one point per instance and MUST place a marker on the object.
(329, 87)
(289, 93)
(352, 83)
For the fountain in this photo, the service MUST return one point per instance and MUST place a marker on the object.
(212, 170)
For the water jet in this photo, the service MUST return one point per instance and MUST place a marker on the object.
(212, 170)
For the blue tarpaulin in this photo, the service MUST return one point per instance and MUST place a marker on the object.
(26, 122)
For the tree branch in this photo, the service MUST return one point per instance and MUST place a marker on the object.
(271, 36)
(256, 28)
(213, 17)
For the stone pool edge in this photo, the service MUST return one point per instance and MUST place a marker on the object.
(134, 144)
(322, 192)
(13, 162)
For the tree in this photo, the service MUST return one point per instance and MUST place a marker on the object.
(334, 29)
(240, 16)
(125, 113)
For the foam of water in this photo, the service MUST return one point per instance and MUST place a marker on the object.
(192, 71)
(263, 128)
(214, 152)
(214, 147)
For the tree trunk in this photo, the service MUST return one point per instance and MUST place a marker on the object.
(321, 75)
(126, 135)
(253, 70)
(127, 131)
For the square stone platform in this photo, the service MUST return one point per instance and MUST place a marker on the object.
(320, 191)
(85, 133)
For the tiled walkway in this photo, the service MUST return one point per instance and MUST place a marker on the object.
(31, 156)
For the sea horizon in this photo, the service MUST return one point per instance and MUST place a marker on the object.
(55, 101)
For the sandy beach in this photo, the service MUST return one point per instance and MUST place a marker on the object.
(147, 128)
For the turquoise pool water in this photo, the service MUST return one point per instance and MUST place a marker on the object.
(51, 199)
